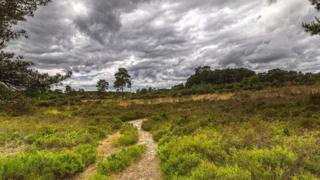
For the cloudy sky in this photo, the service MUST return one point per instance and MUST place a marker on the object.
(161, 41)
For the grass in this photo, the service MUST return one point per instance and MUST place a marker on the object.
(272, 134)
(129, 136)
(249, 137)
(119, 161)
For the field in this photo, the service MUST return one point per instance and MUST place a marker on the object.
(270, 134)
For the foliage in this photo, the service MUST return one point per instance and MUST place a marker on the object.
(204, 75)
(313, 27)
(129, 136)
(119, 161)
(248, 137)
(16, 74)
(122, 79)
(129, 116)
(47, 165)
(102, 86)
(49, 137)
(247, 78)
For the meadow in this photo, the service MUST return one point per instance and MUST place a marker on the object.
(270, 134)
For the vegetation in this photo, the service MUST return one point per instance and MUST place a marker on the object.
(253, 134)
(16, 74)
(47, 165)
(119, 161)
(313, 27)
(205, 80)
(249, 137)
(129, 136)
(102, 86)
(122, 79)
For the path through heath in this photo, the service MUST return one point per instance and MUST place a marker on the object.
(148, 168)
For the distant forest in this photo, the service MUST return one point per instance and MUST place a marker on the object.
(248, 78)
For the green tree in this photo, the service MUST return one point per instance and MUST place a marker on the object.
(314, 26)
(102, 86)
(16, 73)
(123, 80)
(68, 89)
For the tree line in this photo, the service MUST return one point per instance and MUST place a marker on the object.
(204, 75)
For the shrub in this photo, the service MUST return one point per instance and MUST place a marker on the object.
(129, 116)
(129, 136)
(179, 156)
(305, 176)
(275, 163)
(119, 161)
(208, 171)
(98, 176)
(314, 98)
(58, 138)
(154, 122)
(313, 164)
(47, 165)
(18, 107)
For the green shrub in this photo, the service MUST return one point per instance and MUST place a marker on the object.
(305, 176)
(129, 136)
(313, 164)
(98, 176)
(119, 161)
(47, 165)
(314, 98)
(57, 138)
(87, 152)
(180, 165)
(179, 156)
(275, 163)
(129, 116)
(19, 107)
(208, 171)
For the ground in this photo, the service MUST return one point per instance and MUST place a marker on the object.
(148, 168)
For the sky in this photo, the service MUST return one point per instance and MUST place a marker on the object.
(161, 42)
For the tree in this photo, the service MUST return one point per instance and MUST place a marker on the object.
(204, 75)
(314, 26)
(15, 73)
(102, 86)
(123, 79)
(68, 89)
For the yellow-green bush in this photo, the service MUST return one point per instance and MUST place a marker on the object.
(47, 165)
(209, 171)
(49, 137)
(119, 161)
(275, 163)
(129, 136)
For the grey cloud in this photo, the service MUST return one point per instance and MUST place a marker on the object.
(162, 41)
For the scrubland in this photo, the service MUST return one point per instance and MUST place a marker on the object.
(251, 135)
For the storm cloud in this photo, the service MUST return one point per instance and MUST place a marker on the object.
(162, 41)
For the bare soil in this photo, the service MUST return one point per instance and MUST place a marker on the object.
(148, 168)
(105, 149)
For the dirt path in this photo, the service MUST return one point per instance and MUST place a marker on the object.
(148, 168)
(105, 148)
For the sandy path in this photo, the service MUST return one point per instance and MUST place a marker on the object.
(105, 149)
(148, 168)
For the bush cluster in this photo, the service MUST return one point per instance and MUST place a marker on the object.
(119, 161)
(49, 137)
(47, 165)
(129, 136)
